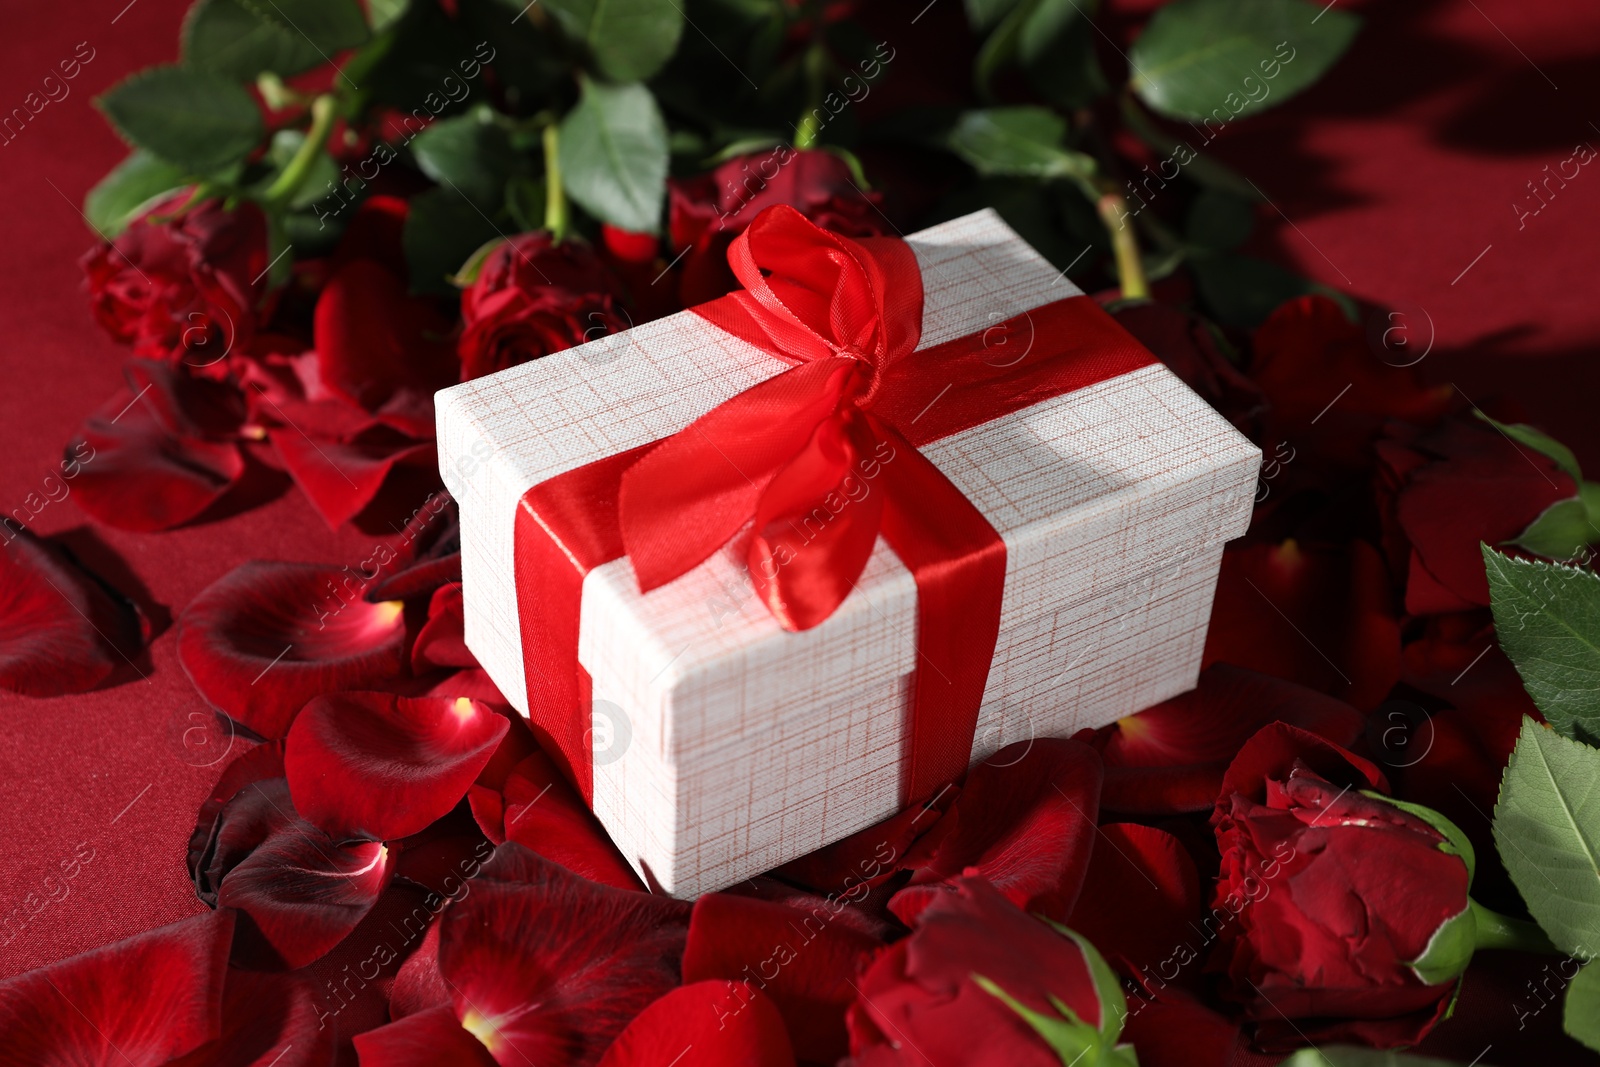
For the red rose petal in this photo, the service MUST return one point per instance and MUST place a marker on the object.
(137, 475)
(547, 967)
(268, 1020)
(303, 890)
(545, 814)
(186, 405)
(1321, 617)
(382, 349)
(383, 766)
(267, 637)
(919, 995)
(442, 640)
(141, 1002)
(806, 961)
(432, 1038)
(1170, 758)
(1274, 750)
(727, 1024)
(341, 479)
(1140, 895)
(60, 630)
(218, 843)
(1175, 1030)
(419, 985)
(1024, 821)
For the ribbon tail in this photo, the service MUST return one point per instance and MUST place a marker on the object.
(959, 563)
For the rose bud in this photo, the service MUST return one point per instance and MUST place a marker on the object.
(532, 297)
(980, 981)
(1342, 914)
(183, 281)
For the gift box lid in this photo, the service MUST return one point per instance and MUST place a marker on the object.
(1111, 483)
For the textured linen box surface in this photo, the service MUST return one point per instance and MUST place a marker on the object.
(724, 745)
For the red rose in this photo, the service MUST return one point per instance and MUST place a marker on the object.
(182, 282)
(1449, 488)
(1335, 907)
(706, 212)
(979, 981)
(533, 297)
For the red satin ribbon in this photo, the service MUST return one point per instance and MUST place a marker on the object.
(823, 458)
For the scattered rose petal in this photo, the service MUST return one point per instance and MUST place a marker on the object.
(543, 813)
(442, 640)
(382, 349)
(267, 637)
(1171, 757)
(268, 1020)
(137, 475)
(1139, 899)
(1320, 617)
(1024, 821)
(805, 961)
(90, 1010)
(341, 479)
(382, 766)
(547, 967)
(61, 631)
(431, 1038)
(727, 1024)
(303, 890)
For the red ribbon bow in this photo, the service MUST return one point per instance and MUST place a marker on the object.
(821, 459)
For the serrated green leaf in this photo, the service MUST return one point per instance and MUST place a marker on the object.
(441, 233)
(1580, 1016)
(1018, 141)
(1547, 617)
(198, 121)
(1540, 442)
(1352, 1056)
(242, 38)
(627, 40)
(118, 197)
(1561, 531)
(1194, 57)
(469, 153)
(614, 155)
(1547, 830)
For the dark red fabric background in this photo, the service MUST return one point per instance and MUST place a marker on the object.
(1387, 180)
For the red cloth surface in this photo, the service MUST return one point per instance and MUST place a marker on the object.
(1392, 175)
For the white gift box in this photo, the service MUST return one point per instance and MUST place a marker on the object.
(726, 746)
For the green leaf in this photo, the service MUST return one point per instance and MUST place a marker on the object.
(1561, 531)
(243, 38)
(1581, 1015)
(1547, 829)
(198, 121)
(442, 232)
(385, 13)
(118, 197)
(981, 14)
(1547, 617)
(627, 40)
(1219, 221)
(1242, 290)
(1540, 442)
(1449, 950)
(1352, 1056)
(1056, 48)
(614, 155)
(1021, 141)
(1224, 59)
(470, 153)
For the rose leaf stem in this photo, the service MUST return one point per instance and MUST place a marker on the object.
(323, 113)
(1113, 211)
(1501, 931)
(816, 74)
(555, 197)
